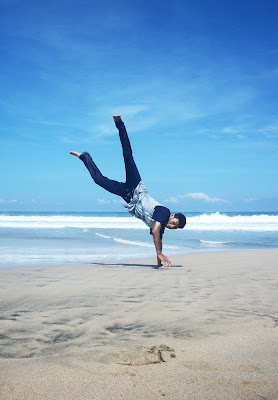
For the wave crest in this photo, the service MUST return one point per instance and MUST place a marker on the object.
(214, 221)
(135, 242)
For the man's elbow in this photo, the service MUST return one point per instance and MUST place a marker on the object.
(156, 232)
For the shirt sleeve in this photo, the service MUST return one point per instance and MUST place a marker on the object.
(161, 214)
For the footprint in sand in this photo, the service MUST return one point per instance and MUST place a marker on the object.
(153, 355)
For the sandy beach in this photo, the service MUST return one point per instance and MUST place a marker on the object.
(207, 328)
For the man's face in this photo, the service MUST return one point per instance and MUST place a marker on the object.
(173, 222)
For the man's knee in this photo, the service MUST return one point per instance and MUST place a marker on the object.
(85, 156)
(98, 178)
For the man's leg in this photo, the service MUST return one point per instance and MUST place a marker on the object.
(132, 174)
(111, 186)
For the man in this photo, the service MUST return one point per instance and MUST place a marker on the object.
(135, 196)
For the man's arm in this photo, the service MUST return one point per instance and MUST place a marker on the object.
(158, 245)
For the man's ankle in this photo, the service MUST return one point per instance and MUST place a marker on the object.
(117, 118)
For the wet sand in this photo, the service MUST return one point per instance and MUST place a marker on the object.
(207, 328)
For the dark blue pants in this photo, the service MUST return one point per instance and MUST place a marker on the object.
(125, 190)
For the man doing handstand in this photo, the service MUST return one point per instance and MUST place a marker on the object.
(135, 196)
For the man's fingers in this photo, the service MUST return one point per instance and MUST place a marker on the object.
(167, 261)
(166, 265)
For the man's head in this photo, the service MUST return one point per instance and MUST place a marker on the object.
(176, 221)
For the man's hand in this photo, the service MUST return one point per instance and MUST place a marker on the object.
(163, 260)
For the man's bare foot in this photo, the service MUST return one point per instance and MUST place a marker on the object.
(74, 153)
(117, 117)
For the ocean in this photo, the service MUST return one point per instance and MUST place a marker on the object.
(54, 238)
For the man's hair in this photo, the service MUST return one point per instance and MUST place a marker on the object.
(182, 220)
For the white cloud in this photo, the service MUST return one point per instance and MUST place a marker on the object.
(250, 200)
(172, 199)
(270, 131)
(203, 196)
(231, 129)
(103, 201)
(130, 110)
(195, 196)
(137, 118)
(113, 201)
(119, 201)
(8, 201)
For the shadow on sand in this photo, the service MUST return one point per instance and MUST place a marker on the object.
(154, 266)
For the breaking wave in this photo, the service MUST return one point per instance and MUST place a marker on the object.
(214, 221)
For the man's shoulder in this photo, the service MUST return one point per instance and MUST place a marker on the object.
(162, 208)
(161, 214)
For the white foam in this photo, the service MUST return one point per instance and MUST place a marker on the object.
(135, 242)
(223, 222)
(214, 221)
(70, 221)
(213, 243)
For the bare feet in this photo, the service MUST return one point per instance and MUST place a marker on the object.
(117, 117)
(74, 153)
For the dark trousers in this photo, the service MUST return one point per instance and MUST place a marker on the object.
(125, 190)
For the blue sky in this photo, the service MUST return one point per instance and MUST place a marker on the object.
(195, 82)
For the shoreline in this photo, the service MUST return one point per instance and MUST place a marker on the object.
(204, 328)
(58, 238)
(140, 260)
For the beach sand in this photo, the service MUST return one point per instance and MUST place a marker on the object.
(207, 328)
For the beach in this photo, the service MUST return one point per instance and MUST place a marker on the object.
(206, 328)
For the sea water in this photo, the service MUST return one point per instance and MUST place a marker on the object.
(47, 238)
